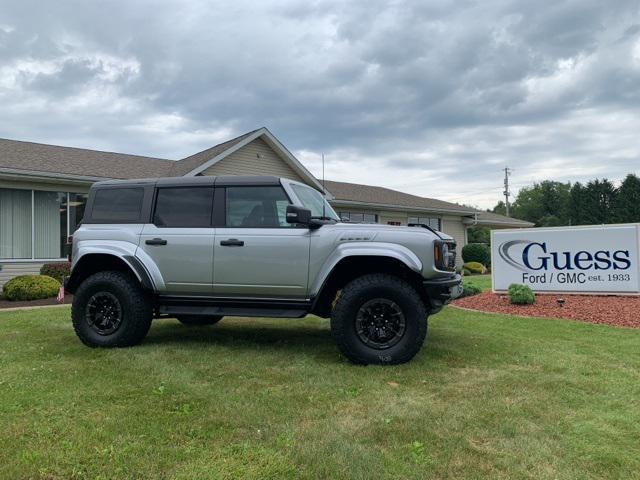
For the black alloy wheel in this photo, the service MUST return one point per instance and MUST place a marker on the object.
(103, 313)
(380, 323)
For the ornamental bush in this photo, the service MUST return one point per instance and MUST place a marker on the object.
(56, 270)
(30, 287)
(476, 252)
(521, 295)
(466, 272)
(475, 267)
(469, 290)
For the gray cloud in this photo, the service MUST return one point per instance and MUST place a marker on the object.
(430, 97)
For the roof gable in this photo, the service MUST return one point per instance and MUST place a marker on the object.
(220, 152)
(195, 161)
(255, 158)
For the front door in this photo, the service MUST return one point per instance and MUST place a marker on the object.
(257, 253)
(180, 239)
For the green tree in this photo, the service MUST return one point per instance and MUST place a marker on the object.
(598, 200)
(500, 208)
(626, 208)
(577, 200)
(545, 203)
(479, 235)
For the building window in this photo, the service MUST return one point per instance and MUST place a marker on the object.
(352, 217)
(49, 224)
(15, 223)
(77, 203)
(430, 221)
(35, 225)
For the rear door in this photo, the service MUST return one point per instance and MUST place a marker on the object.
(257, 253)
(180, 239)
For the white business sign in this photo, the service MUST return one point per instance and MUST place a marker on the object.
(592, 259)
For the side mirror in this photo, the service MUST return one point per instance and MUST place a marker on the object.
(296, 214)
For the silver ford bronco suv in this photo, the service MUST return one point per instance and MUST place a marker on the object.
(202, 248)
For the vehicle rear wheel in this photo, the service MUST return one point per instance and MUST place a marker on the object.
(379, 319)
(111, 310)
(197, 320)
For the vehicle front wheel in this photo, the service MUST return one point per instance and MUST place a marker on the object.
(197, 320)
(111, 310)
(379, 319)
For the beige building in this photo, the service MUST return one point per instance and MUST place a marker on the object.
(43, 191)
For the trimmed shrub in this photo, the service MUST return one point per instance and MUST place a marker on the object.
(56, 270)
(476, 252)
(475, 267)
(521, 295)
(30, 287)
(469, 290)
(466, 272)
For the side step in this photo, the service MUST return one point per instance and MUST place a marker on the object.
(175, 306)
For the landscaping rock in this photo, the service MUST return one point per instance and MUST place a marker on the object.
(620, 311)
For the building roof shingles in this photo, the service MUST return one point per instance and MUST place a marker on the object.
(38, 157)
(52, 159)
(355, 192)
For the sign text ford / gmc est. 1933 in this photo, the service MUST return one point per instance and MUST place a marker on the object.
(589, 259)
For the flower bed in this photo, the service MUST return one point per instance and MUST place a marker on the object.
(610, 310)
(68, 299)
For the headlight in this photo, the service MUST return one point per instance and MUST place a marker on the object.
(444, 255)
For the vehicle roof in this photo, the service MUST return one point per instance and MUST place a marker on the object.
(222, 181)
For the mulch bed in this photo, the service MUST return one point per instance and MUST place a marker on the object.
(610, 310)
(35, 303)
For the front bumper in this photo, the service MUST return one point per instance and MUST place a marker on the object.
(442, 290)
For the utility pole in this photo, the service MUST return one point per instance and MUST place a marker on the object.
(507, 193)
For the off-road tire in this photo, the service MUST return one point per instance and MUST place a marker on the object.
(136, 310)
(375, 286)
(194, 320)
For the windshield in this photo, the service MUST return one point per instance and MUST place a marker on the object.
(314, 201)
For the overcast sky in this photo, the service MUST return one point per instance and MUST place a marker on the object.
(429, 97)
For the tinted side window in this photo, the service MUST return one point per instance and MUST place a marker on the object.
(256, 207)
(117, 205)
(183, 207)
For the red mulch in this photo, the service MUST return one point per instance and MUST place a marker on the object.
(68, 299)
(610, 310)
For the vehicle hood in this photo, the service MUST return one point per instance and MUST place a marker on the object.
(395, 229)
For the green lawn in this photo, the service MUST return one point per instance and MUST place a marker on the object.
(482, 281)
(489, 396)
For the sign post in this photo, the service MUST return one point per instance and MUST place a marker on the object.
(602, 259)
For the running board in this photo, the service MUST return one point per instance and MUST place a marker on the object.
(175, 306)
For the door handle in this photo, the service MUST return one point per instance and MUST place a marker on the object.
(156, 241)
(232, 242)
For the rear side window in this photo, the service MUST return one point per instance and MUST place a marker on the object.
(183, 207)
(117, 205)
